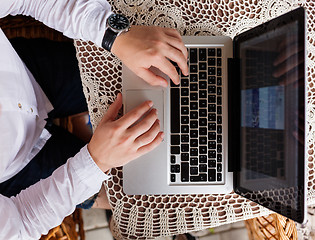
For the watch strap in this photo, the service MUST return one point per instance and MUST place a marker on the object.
(108, 39)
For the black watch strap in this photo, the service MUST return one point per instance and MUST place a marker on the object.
(108, 39)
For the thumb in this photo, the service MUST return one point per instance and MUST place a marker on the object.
(113, 109)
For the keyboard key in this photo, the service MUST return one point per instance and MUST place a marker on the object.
(211, 154)
(211, 52)
(202, 149)
(173, 85)
(173, 178)
(185, 129)
(219, 110)
(193, 124)
(219, 139)
(211, 98)
(175, 110)
(203, 112)
(193, 115)
(202, 66)
(194, 152)
(193, 105)
(219, 129)
(203, 168)
(203, 103)
(184, 82)
(219, 148)
(177, 168)
(219, 62)
(184, 147)
(175, 139)
(212, 145)
(193, 68)
(203, 177)
(219, 90)
(219, 100)
(211, 135)
(185, 172)
(194, 133)
(219, 81)
(203, 140)
(212, 108)
(193, 161)
(202, 76)
(194, 142)
(212, 163)
(211, 117)
(184, 156)
(203, 131)
(173, 159)
(219, 52)
(184, 91)
(193, 78)
(202, 94)
(211, 61)
(194, 170)
(184, 119)
(219, 177)
(203, 158)
(202, 85)
(184, 110)
(211, 80)
(211, 89)
(219, 71)
(202, 54)
(175, 150)
(203, 122)
(193, 96)
(211, 175)
(185, 101)
(219, 157)
(184, 138)
(193, 55)
(219, 119)
(195, 179)
(194, 87)
(211, 126)
(173, 169)
(219, 167)
(211, 71)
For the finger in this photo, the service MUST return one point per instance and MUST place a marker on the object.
(149, 147)
(173, 33)
(144, 124)
(285, 54)
(113, 109)
(288, 65)
(178, 43)
(152, 78)
(135, 114)
(148, 136)
(291, 77)
(176, 55)
(168, 68)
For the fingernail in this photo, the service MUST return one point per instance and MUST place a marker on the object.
(150, 103)
(162, 135)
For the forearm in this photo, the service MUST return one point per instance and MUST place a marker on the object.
(45, 204)
(78, 19)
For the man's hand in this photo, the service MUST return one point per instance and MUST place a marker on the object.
(117, 142)
(143, 47)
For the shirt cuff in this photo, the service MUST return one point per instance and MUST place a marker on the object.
(87, 170)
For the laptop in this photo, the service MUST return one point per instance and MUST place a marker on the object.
(235, 123)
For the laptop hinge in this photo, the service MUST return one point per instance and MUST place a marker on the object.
(234, 114)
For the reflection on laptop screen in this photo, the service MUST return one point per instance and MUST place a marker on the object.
(271, 66)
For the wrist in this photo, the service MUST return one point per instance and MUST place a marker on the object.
(103, 166)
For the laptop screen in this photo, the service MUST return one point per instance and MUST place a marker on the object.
(272, 115)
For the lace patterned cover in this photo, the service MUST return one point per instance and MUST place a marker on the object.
(143, 217)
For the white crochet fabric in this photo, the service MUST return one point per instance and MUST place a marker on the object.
(144, 217)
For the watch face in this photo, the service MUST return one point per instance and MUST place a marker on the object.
(118, 22)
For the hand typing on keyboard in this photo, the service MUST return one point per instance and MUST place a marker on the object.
(117, 142)
(146, 46)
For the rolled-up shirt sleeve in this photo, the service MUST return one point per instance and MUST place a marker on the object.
(44, 205)
(77, 19)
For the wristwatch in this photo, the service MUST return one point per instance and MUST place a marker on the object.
(116, 24)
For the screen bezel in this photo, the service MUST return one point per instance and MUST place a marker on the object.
(235, 100)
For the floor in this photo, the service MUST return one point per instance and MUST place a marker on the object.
(96, 228)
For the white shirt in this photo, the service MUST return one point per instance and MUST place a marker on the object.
(23, 108)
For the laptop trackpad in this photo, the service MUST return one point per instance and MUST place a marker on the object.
(134, 98)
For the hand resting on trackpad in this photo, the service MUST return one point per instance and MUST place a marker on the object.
(135, 97)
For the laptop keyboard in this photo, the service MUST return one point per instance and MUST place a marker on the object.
(196, 120)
